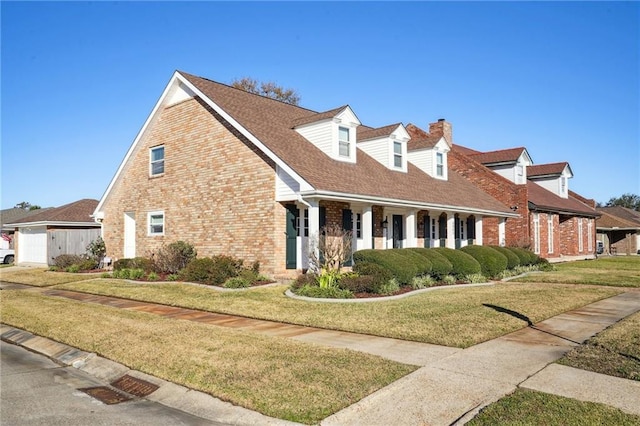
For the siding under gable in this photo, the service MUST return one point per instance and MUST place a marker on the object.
(319, 134)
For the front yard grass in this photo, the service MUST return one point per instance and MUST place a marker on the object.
(619, 271)
(526, 407)
(278, 377)
(615, 351)
(452, 317)
(41, 277)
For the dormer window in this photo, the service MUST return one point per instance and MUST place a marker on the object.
(439, 164)
(344, 147)
(563, 185)
(397, 155)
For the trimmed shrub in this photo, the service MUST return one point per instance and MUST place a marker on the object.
(476, 278)
(527, 257)
(143, 263)
(174, 257)
(73, 269)
(199, 270)
(421, 263)
(357, 283)
(88, 264)
(152, 276)
(66, 260)
(401, 267)
(449, 280)
(225, 267)
(302, 280)
(463, 263)
(380, 275)
(389, 288)
(492, 262)
(512, 259)
(136, 273)
(324, 292)
(237, 282)
(422, 282)
(440, 265)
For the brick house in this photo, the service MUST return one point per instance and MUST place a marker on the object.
(619, 230)
(241, 174)
(555, 222)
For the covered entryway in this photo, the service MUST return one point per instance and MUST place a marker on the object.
(32, 245)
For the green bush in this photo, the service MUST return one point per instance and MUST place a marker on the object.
(449, 280)
(143, 263)
(73, 269)
(152, 276)
(174, 257)
(422, 282)
(389, 288)
(324, 292)
(237, 282)
(491, 261)
(105, 275)
(172, 277)
(88, 264)
(65, 260)
(463, 263)
(199, 271)
(527, 257)
(512, 259)
(380, 275)
(402, 267)
(421, 263)
(358, 283)
(440, 265)
(476, 278)
(136, 274)
(308, 279)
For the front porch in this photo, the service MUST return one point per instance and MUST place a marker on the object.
(377, 226)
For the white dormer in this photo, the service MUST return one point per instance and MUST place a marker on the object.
(333, 132)
(432, 159)
(552, 177)
(387, 145)
(511, 164)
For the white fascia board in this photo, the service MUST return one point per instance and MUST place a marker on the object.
(401, 134)
(304, 185)
(526, 158)
(367, 199)
(567, 172)
(347, 116)
(54, 223)
(98, 211)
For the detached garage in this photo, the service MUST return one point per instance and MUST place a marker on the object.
(63, 230)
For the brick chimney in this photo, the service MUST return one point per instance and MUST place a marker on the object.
(442, 128)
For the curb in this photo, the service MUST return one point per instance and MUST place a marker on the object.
(169, 394)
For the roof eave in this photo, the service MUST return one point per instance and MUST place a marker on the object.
(52, 223)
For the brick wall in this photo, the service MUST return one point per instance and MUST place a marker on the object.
(217, 191)
(503, 190)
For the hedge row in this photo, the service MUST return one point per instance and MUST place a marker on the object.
(405, 264)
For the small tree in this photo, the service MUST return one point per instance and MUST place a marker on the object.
(97, 249)
(268, 89)
(330, 250)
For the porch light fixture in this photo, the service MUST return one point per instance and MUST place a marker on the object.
(385, 223)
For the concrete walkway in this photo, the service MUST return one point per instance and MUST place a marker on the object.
(453, 384)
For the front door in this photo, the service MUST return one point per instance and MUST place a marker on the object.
(398, 232)
(292, 236)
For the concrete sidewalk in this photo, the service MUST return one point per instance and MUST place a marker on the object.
(452, 385)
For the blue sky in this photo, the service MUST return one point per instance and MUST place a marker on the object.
(562, 79)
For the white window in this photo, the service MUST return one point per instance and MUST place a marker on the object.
(358, 225)
(536, 233)
(439, 164)
(520, 173)
(550, 232)
(590, 235)
(156, 161)
(433, 228)
(156, 223)
(343, 142)
(397, 154)
(580, 242)
(461, 222)
(563, 185)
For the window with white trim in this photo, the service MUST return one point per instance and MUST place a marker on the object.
(580, 239)
(156, 160)
(344, 144)
(397, 154)
(590, 235)
(550, 233)
(433, 228)
(155, 222)
(563, 185)
(536, 233)
(439, 164)
(358, 225)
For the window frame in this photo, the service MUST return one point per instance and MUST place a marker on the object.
(153, 162)
(536, 233)
(440, 164)
(346, 143)
(580, 236)
(397, 156)
(550, 233)
(150, 215)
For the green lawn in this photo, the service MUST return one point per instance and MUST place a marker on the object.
(452, 317)
(526, 407)
(279, 377)
(618, 271)
(41, 277)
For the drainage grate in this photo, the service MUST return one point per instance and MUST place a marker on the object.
(134, 386)
(105, 395)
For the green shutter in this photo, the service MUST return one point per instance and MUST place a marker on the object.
(347, 225)
(292, 236)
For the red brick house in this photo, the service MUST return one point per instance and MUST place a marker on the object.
(554, 222)
(241, 174)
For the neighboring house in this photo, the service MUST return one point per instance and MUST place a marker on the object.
(241, 174)
(68, 229)
(619, 230)
(554, 222)
(9, 216)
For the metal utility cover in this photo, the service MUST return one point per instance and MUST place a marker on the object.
(134, 386)
(105, 395)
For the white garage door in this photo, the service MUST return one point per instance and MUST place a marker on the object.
(32, 245)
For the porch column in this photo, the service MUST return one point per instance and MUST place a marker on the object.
(412, 230)
(479, 230)
(367, 226)
(502, 231)
(451, 231)
(314, 228)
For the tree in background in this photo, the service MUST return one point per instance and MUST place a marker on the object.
(630, 201)
(27, 206)
(268, 89)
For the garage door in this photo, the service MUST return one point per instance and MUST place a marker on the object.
(32, 245)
